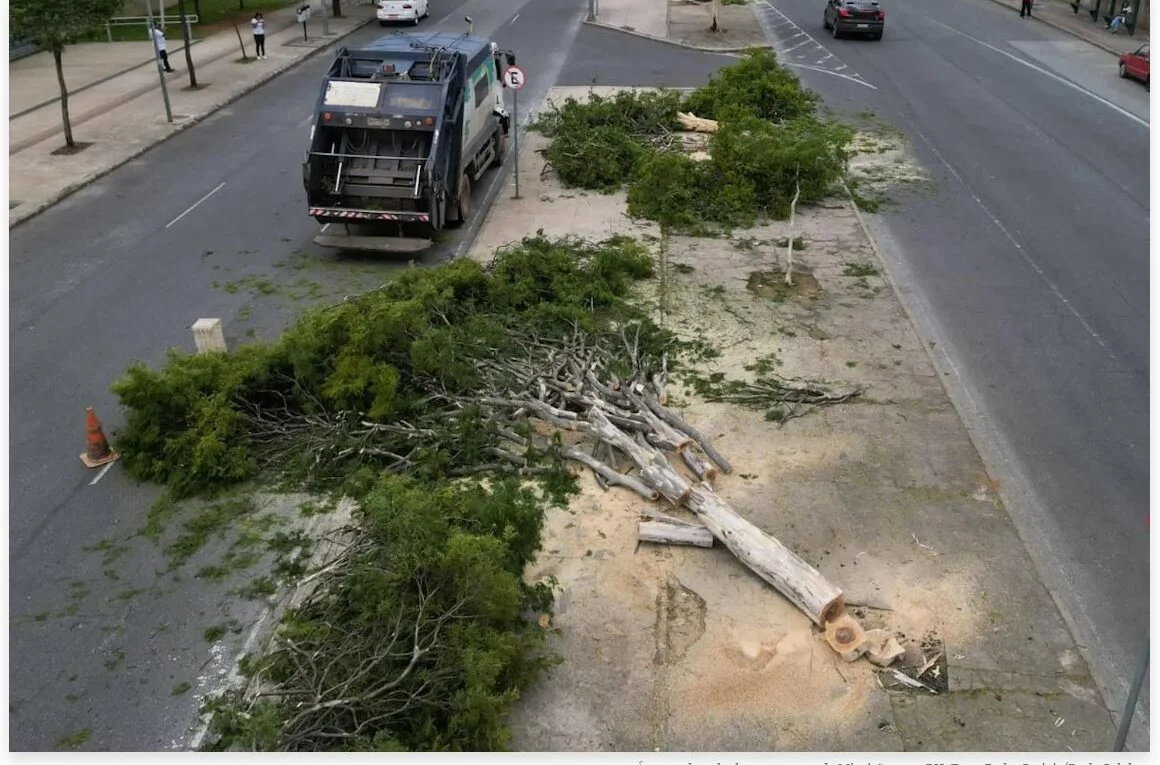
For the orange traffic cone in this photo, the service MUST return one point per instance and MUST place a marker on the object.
(97, 449)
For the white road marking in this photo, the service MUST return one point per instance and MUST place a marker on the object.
(325, 227)
(1018, 246)
(190, 209)
(234, 676)
(1045, 72)
(101, 474)
(514, 19)
(850, 77)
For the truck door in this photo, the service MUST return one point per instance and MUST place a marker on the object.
(483, 82)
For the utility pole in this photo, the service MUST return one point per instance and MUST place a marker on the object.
(157, 60)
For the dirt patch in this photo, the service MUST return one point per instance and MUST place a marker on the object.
(680, 621)
(771, 285)
(76, 148)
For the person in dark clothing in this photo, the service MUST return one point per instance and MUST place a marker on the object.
(1025, 8)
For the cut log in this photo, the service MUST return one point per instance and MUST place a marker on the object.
(655, 470)
(846, 636)
(768, 558)
(700, 466)
(678, 422)
(697, 124)
(670, 534)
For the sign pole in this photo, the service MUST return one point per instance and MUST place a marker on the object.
(515, 79)
(516, 125)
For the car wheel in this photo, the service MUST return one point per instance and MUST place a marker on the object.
(415, 23)
(825, 21)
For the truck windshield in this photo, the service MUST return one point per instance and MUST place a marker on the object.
(412, 97)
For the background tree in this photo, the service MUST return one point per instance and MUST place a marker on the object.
(53, 24)
(188, 43)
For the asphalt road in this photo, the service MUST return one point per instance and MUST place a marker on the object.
(101, 646)
(1028, 268)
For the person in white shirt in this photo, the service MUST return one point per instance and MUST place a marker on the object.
(258, 24)
(162, 51)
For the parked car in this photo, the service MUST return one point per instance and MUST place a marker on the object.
(856, 17)
(388, 11)
(1135, 65)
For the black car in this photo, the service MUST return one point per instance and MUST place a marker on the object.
(854, 17)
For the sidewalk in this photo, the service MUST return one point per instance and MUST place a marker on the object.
(1059, 14)
(119, 112)
(683, 22)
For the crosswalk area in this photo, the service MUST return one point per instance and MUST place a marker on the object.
(797, 48)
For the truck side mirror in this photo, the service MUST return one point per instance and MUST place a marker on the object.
(511, 59)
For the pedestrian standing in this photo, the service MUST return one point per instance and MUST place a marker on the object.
(1025, 8)
(162, 47)
(258, 24)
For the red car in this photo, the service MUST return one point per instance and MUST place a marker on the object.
(1135, 65)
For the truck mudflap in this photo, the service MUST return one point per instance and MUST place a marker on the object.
(385, 244)
(332, 214)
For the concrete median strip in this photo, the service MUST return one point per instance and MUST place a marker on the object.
(129, 152)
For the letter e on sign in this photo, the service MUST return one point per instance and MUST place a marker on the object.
(514, 77)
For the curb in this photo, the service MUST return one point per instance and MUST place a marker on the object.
(677, 44)
(1064, 28)
(24, 215)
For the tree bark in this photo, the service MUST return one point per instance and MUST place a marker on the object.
(655, 470)
(715, 9)
(57, 59)
(768, 558)
(185, 36)
(612, 477)
(674, 419)
(702, 468)
(670, 534)
(336, 8)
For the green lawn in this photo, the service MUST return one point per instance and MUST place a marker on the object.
(213, 16)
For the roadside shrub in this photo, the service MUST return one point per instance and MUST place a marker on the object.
(758, 86)
(763, 162)
(596, 144)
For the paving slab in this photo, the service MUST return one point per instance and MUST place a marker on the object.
(886, 496)
(683, 22)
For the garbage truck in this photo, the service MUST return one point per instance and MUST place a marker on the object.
(403, 130)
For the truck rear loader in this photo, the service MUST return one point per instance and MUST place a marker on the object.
(403, 129)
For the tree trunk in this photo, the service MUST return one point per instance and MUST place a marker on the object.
(188, 44)
(336, 8)
(57, 54)
(715, 9)
(765, 556)
(670, 534)
(768, 558)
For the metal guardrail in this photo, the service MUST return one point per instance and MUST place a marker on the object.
(132, 21)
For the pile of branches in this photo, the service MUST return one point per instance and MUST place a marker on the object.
(431, 402)
(770, 148)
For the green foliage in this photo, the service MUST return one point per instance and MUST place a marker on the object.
(190, 424)
(769, 142)
(54, 24)
(448, 557)
(756, 86)
(596, 144)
